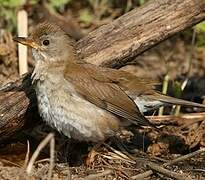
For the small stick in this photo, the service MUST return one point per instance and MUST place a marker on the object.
(143, 175)
(98, 175)
(52, 157)
(167, 172)
(49, 137)
(126, 157)
(179, 159)
(185, 157)
(11, 163)
(27, 155)
(22, 25)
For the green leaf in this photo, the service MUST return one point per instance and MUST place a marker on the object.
(141, 2)
(59, 3)
(86, 17)
(200, 28)
(12, 3)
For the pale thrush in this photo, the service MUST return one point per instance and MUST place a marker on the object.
(81, 100)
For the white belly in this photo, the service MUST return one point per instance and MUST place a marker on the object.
(63, 109)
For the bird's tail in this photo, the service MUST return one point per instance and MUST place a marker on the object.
(176, 101)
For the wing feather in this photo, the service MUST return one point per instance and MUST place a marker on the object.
(104, 94)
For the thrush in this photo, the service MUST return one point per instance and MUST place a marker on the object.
(81, 100)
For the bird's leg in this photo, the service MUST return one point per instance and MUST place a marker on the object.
(92, 154)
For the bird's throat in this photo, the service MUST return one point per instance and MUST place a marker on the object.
(39, 55)
(38, 71)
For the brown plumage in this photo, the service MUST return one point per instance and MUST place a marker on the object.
(91, 83)
(82, 100)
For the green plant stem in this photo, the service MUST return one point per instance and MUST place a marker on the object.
(164, 91)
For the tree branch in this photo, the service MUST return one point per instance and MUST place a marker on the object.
(118, 42)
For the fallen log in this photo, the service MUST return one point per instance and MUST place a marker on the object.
(17, 107)
(118, 42)
(111, 45)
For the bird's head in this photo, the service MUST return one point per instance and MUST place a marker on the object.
(49, 43)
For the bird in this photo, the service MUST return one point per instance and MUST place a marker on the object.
(84, 101)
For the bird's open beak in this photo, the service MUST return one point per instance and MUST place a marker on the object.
(26, 42)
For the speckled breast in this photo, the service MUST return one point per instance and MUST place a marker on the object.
(62, 108)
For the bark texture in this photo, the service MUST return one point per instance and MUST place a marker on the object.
(114, 44)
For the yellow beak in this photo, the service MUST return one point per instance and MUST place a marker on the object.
(26, 42)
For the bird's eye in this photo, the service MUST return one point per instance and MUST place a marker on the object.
(46, 42)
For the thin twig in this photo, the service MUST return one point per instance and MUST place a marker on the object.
(198, 170)
(98, 175)
(143, 175)
(27, 155)
(11, 163)
(167, 172)
(52, 157)
(122, 148)
(179, 159)
(185, 157)
(119, 155)
(42, 160)
(43, 143)
(121, 168)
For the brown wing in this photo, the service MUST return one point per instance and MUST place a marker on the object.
(129, 83)
(96, 88)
